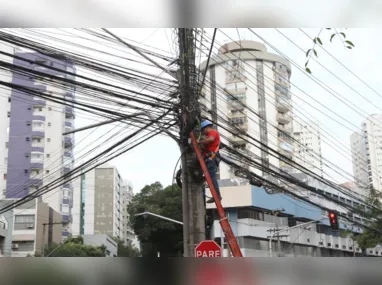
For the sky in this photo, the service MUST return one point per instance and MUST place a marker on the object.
(155, 160)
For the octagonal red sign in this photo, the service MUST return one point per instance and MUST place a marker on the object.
(208, 248)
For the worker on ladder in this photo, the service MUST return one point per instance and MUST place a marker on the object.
(210, 147)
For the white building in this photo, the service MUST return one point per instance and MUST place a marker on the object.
(127, 196)
(33, 151)
(307, 145)
(244, 72)
(98, 203)
(366, 147)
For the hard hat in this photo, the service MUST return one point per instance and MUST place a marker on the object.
(205, 124)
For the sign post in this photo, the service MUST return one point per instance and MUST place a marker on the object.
(208, 248)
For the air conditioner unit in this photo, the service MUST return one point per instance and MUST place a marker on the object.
(30, 226)
(15, 245)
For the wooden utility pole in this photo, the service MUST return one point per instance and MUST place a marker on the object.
(194, 230)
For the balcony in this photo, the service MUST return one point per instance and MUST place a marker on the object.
(68, 141)
(69, 112)
(35, 181)
(237, 113)
(68, 201)
(66, 218)
(233, 105)
(68, 154)
(283, 107)
(39, 101)
(283, 118)
(68, 186)
(285, 129)
(236, 140)
(286, 153)
(69, 124)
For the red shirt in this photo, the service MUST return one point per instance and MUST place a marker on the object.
(212, 146)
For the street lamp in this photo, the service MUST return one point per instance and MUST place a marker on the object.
(159, 216)
(287, 229)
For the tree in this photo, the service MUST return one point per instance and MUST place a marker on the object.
(155, 234)
(372, 234)
(335, 33)
(75, 247)
(126, 249)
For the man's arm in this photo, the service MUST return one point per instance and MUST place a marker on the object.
(207, 140)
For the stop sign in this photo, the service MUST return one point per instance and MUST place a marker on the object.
(208, 248)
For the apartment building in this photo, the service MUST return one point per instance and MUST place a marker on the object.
(307, 145)
(243, 72)
(34, 151)
(22, 230)
(366, 148)
(98, 203)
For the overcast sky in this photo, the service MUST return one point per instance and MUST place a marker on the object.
(155, 160)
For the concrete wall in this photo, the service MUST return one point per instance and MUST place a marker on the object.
(99, 240)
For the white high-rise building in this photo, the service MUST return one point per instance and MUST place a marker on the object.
(366, 147)
(127, 196)
(98, 203)
(244, 72)
(307, 145)
(33, 151)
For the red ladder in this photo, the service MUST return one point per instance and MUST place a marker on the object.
(226, 227)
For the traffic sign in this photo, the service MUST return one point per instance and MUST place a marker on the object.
(208, 248)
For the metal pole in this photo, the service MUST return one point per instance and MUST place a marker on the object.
(159, 216)
(222, 243)
(287, 229)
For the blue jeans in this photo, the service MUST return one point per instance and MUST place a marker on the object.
(212, 168)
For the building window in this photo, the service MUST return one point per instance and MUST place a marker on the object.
(5, 176)
(48, 155)
(48, 139)
(6, 144)
(49, 124)
(47, 171)
(9, 99)
(9, 114)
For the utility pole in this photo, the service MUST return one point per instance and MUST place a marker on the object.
(43, 235)
(193, 200)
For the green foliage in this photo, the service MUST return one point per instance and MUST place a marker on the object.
(372, 236)
(75, 247)
(126, 249)
(317, 40)
(156, 234)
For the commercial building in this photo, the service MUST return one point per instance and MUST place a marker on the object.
(366, 148)
(33, 151)
(307, 145)
(22, 230)
(244, 72)
(254, 216)
(98, 203)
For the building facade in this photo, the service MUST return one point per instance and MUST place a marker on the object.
(366, 148)
(22, 229)
(128, 232)
(98, 203)
(307, 145)
(254, 215)
(34, 151)
(245, 73)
